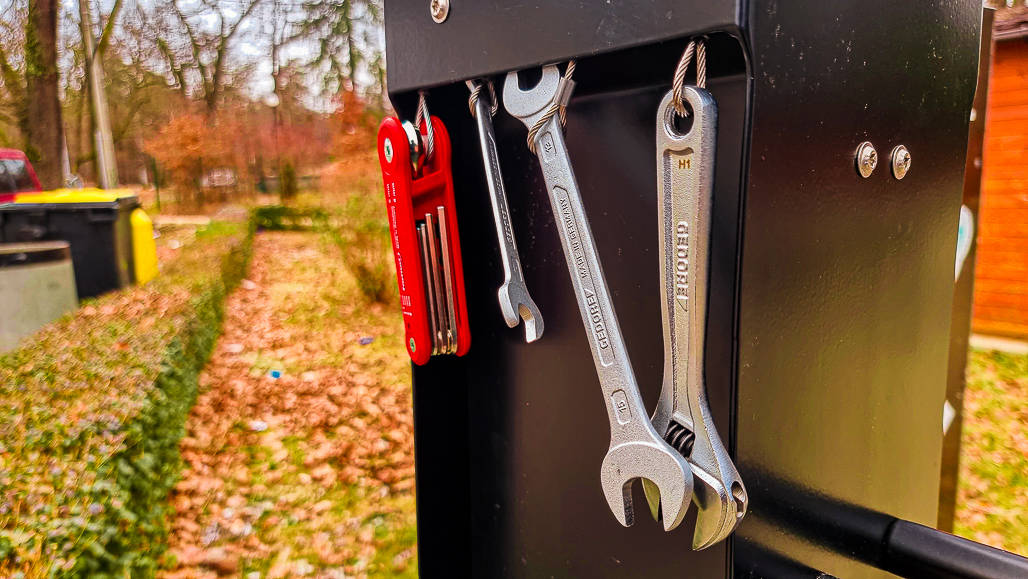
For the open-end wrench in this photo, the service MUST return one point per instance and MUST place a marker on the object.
(685, 170)
(636, 450)
(515, 302)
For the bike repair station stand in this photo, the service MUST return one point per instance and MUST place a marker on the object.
(826, 216)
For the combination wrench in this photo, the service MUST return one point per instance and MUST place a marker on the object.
(636, 449)
(685, 170)
(515, 302)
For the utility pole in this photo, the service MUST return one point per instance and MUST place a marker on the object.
(103, 139)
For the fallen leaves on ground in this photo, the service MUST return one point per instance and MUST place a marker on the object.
(992, 499)
(311, 473)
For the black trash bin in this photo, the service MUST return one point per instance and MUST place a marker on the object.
(97, 226)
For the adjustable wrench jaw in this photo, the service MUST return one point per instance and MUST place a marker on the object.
(636, 449)
(686, 164)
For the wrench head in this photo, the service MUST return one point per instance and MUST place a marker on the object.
(650, 461)
(529, 105)
(717, 513)
(517, 305)
(719, 509)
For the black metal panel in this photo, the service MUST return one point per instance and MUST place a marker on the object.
(827, 349)
(484, 37)
(510, 438)
(847, 282)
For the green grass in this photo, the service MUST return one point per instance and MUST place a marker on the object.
(992, 503)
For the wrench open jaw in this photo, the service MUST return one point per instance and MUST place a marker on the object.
(661, 470)
(637, 451)
(686, 164)
(517, 305)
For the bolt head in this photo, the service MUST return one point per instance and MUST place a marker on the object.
(440, 9)
(413, 144)
(900, 161)
(867, 159)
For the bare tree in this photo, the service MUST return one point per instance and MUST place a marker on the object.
(13, 113)
(346, 35)
(195, 43)
(103, 141)
(42, 126)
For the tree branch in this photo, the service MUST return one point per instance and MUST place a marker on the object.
(105, 35)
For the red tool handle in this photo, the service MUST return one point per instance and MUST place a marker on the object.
(408, 197)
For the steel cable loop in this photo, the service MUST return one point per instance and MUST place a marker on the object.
(699, 49)
(422, 115)
(567, 76)
(476, 90)
(701, 63)
(558, 107)
(678, 83)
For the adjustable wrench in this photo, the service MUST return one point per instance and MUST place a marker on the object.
(685, 169)
(636, 450)
(515, 302)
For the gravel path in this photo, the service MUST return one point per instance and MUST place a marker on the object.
(299, 451)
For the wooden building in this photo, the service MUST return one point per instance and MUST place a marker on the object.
(1001, 276)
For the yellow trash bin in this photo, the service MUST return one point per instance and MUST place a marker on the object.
(144, 250)
(134, 250)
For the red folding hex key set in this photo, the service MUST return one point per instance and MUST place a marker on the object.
(426, 245)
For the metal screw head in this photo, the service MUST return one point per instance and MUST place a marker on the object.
(867, 159)
(440, 10)
(900, 161)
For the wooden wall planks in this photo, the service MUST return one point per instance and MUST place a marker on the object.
(1001, 277)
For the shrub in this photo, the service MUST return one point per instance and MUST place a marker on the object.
(283, 218)
(91, 412)
(287, 181)
(362, 232)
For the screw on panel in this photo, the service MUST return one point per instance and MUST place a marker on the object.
(900, 161)
(867, 159)
(440, 10)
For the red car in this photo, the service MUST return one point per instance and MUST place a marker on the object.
(16, 175)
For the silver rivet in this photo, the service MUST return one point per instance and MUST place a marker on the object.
(900, 161)
(440, 10)
(867, 159)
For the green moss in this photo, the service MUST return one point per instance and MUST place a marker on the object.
(91, 413)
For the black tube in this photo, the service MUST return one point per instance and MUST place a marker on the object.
(913, 550)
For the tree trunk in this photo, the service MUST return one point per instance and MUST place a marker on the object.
(43, 138)
(86, 30)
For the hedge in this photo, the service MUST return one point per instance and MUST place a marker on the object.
(290, 218)
(91, 412)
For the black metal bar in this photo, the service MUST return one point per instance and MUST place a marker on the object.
(917, 551)
(482, 38)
